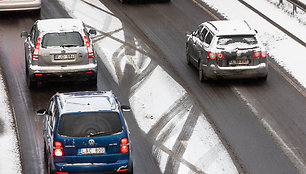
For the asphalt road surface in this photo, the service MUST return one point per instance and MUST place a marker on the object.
(229, 105)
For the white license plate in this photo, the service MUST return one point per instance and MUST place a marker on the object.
(94, 150)
(64, 56)
(239, 62)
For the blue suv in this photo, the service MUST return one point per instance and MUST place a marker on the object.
(86, 132)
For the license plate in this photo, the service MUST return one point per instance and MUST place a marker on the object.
(64, 56)
(94, 150)
(239, 62)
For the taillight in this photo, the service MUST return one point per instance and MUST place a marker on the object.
(61, 172)
(124, 145)
(35, 53)
(58, 149)
(262, 54)
(89, 47)
(213, 56)
(220, 55)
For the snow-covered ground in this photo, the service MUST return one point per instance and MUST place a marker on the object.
(9, 147)
(151, 103)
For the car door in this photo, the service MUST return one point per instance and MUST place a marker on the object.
(194, 39)
(199, 46)
(30, 44)
(49, 125)
(205, 46)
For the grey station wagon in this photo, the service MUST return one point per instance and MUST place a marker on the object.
(59, 49)
(226, 49)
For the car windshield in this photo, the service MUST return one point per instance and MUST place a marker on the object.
(244, 41)
(90, 124)
(67, 39)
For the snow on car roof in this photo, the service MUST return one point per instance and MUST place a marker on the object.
(87, 101)
(61, 24)
(231, 27)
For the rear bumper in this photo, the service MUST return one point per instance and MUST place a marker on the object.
(214, 72)
(38, 73)
(16, 6)
(93, 167)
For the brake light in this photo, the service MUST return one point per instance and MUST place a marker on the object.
(124, 145)
(35, 53)
(220, 55)
(58, 149)
(213, 56)
(61, 172)
(89, 47)
(262, 54)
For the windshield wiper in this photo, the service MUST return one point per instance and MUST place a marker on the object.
(69, 45)
(92, 134)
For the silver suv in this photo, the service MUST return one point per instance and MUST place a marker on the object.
(226, 49)
(59, 49)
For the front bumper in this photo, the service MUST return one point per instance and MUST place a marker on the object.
(213, 71)
(38, 73)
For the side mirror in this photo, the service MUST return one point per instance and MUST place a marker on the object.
(24, 34)
(188, 33)
(125, 108)
(92, 31)
(256, 31)
(41, 112)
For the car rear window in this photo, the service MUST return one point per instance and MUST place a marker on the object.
(90, 124)
(62, 39)
(237, 41)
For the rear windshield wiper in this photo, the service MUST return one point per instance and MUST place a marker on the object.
(92, 134)
(69, 45)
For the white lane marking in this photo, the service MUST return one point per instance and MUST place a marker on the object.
(285, 148)
(205, 9)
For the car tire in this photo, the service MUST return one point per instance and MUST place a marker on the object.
(188, 56)
(202, 76)
(31, 84)
(264, 78)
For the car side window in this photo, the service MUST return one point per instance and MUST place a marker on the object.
(51, 111)
(208, 38)
(203, 34)
(32, 34)
(198, 31)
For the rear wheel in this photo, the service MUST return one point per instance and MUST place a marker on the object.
(31, 84)
(188, 56)
(202, 76)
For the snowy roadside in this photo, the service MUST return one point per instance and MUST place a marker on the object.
(9, 148)
(161, 106)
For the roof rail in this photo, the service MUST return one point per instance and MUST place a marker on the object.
(212, 25)
(247, 24)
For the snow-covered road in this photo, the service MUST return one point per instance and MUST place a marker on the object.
(156, 95)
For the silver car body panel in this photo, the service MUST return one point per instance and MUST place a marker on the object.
(62, 69)
(60, 60)
(16, 5)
